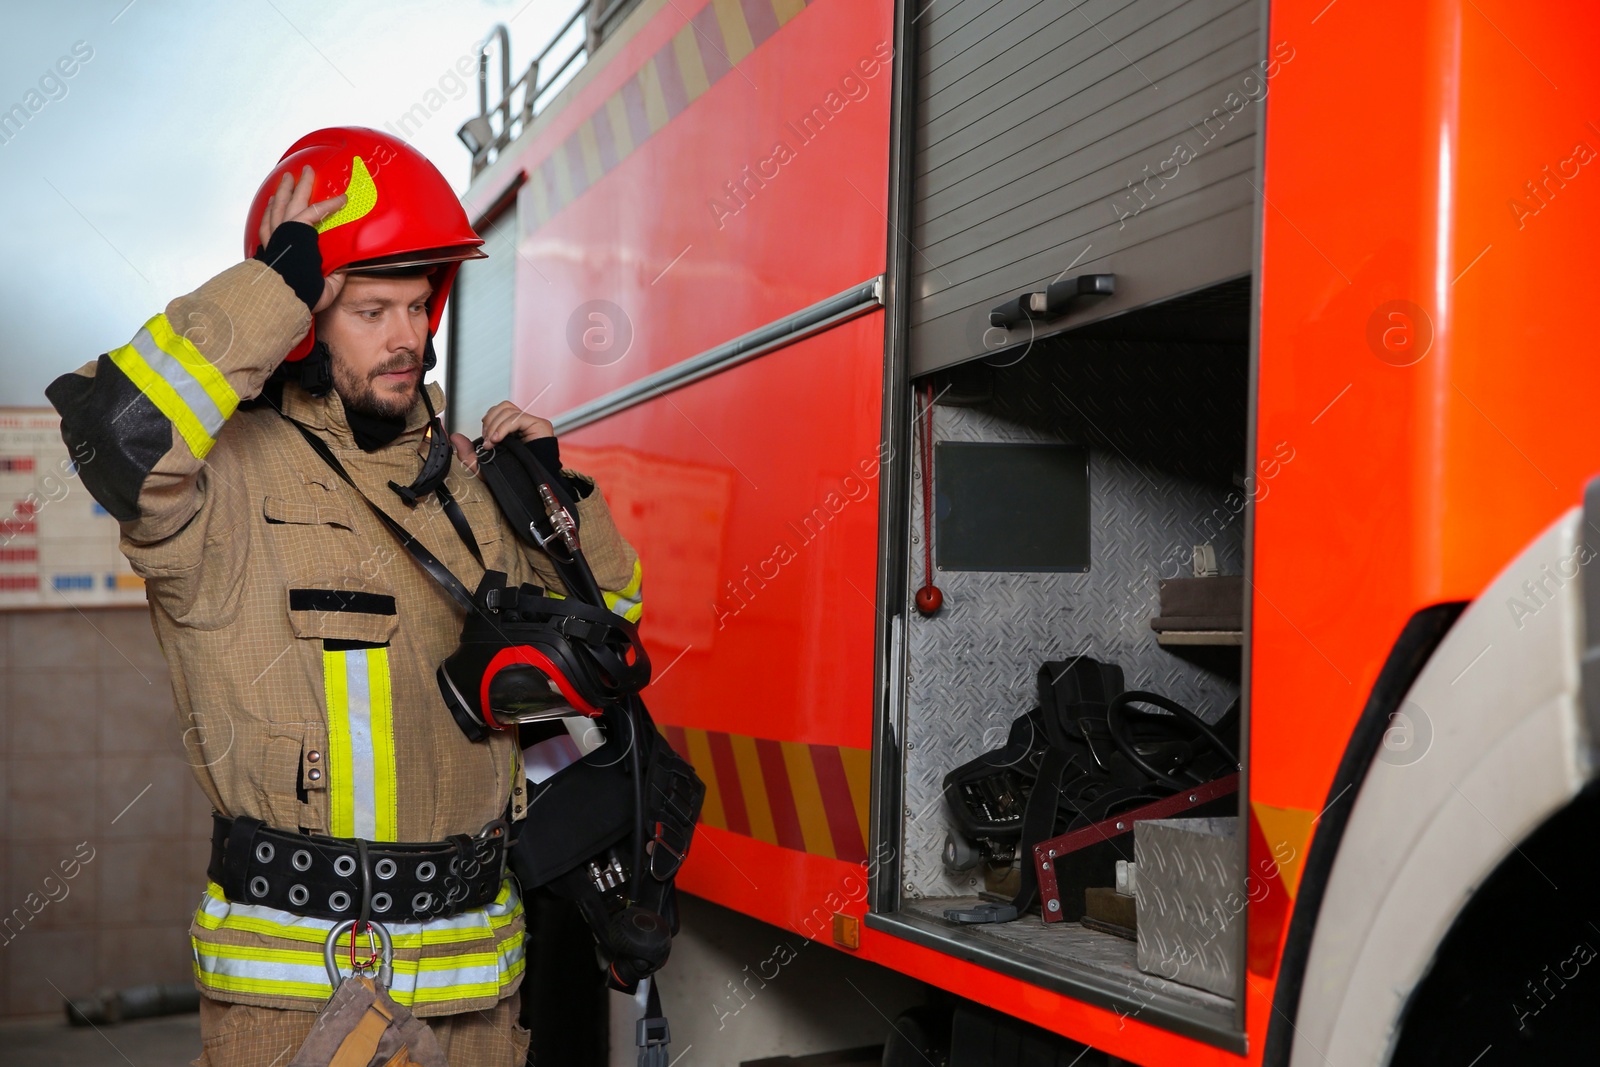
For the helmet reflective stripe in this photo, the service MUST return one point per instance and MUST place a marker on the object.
(179, 381)
(361, 767)
(361, 196)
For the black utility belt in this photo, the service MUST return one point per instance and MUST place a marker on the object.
(349, 878)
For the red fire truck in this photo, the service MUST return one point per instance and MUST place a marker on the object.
(1063, 308)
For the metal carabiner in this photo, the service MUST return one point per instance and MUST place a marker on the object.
(382, 951)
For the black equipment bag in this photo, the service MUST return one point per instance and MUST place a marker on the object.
(577, 842)
(1087, 752)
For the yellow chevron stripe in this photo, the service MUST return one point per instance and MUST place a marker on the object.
(686, 46)
(591, 150)
(787, 9)
(808, 798)
(754, 787)
(735, 30)
(621, 132)
(655, 104)
(858, 774)
(711, 811)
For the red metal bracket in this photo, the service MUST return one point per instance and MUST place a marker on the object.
(1046, 852)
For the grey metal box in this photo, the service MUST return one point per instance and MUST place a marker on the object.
(1190, 900)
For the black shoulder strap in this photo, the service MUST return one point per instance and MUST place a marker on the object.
(458, 519)
(514, 477)
(418, 551)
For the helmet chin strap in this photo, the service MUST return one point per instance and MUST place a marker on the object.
(436, 459)
(314, 373)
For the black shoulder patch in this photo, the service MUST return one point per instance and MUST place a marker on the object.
(117, 431)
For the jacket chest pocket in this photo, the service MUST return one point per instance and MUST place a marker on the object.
(318, 609)
(333, 592)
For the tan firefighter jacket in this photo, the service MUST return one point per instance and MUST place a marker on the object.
(328, 721)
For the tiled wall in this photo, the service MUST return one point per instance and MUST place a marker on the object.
(87, 728)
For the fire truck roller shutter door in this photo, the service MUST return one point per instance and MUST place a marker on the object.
(1045, 152)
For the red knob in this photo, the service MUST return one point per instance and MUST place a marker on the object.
(929, 599)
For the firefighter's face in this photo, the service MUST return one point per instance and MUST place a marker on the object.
(377, 331)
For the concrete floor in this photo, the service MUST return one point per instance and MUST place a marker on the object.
(167, 1042)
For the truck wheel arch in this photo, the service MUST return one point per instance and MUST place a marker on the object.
(1496, 688)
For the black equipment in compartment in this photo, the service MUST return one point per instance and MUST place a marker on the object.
(1087, 752)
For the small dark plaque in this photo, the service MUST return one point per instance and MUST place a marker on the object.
(1005, 507)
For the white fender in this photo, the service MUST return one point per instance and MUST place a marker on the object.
(1489, 743)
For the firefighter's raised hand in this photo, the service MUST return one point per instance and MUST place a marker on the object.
(505, 418)
(500, 422)
(291, 202)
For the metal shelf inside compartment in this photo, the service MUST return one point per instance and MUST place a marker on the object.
(1171, 638)
(1070, 948)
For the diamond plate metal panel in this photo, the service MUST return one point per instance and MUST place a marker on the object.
(971, 668)
(1190, 896)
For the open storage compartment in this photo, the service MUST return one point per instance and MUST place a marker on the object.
(1071, 481)
(1077, 208)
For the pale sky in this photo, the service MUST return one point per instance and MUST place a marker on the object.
(129, 185)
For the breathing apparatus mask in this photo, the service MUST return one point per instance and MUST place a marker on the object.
(526, 656)
(613, 827)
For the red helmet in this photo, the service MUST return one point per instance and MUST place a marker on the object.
(399, 210)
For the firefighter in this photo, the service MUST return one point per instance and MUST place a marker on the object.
(301, 631)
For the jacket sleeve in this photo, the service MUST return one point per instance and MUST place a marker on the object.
(149, 412)
(616, 565)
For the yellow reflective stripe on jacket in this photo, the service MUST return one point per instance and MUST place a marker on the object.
(361, 769)
(302, 973)
(629, 600)
(216, 912)
(168, 369)
(292, 971)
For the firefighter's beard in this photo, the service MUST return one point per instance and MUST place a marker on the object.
(368, 394)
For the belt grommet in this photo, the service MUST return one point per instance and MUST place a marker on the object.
(344, 866)
(381, 902)
(265, 852)
(298, 895)
(385, 868)
(338, 900)
(426, 870)
(258, 886)
(422, 902)
(301, 860)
